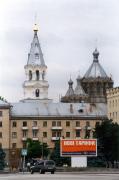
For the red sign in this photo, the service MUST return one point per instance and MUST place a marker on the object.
(81, 147)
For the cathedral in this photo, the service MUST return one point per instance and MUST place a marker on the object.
(39, 118)
(92, 86)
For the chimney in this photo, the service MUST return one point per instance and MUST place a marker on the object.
(71, 108)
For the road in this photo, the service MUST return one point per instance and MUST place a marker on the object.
(58, 176)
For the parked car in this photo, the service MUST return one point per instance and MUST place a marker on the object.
(43, 166)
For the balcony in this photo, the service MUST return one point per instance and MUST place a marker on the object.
(24, 138)
(78, 128)
(35, 127)
(56, 127)
(35, 138)
(24, 128)
(55, 138)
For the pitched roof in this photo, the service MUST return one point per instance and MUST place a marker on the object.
(36, 108)
(95, 70)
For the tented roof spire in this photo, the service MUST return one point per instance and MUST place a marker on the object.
(35, 57)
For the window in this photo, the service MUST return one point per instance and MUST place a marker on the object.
(14, 145)
(0, 113)
(56, 123)
(24, 144)
(34, 123)
(45, 124)
(14, 124)
(0, 134)
(77, 133)
(25, 133)
(110, 115)
(53, 123)
(37, 75)
(87, 123)
(77, 123)
(43, 75)
(68, 134)
(0, 123)
(59, 134)
(44, 134)
(116, 115)
(35, 132)
(14, 135)
(24, 123)
(59, 123)
(30, 75)
(67, 123)
(37, 92)
(54, 134)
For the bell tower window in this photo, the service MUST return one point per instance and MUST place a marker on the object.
(30, 75)
(37, 92)
(43, 75)
(37, 75)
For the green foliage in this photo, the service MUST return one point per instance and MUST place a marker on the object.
(60, 161)
(36, 149)
(2, 159)
(2, 98)
(107, 134)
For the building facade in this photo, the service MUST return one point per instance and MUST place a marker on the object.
(113, 104)
(39, 118)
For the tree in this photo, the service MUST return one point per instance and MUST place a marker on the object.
(60, 161)
(36, 149)
(2, 98)
(2, 159)
(107, 134)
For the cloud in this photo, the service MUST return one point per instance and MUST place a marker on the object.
(67, 33)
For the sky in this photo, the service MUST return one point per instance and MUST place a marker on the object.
(69, 31)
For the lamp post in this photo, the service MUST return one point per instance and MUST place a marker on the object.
(42, 148)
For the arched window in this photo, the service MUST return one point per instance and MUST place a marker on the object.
(43, 75)
(37, 75)
(37, 92)
(30, 75)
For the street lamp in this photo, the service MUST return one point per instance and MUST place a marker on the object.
(42, 148)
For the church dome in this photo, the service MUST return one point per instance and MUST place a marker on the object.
(95, 70)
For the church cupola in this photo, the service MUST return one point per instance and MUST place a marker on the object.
(95, 81)
(74, 96)
(95, 55)
(35, 86)
(70, 91)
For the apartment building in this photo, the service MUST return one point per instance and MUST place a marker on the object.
(113, 104)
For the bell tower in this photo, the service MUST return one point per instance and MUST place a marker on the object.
(35, 86)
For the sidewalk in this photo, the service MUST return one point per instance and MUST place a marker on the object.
(88, 170)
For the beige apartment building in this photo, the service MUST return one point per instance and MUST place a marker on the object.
(113, 104)
(39, 118)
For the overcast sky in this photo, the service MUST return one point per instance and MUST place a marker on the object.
(68, 31)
